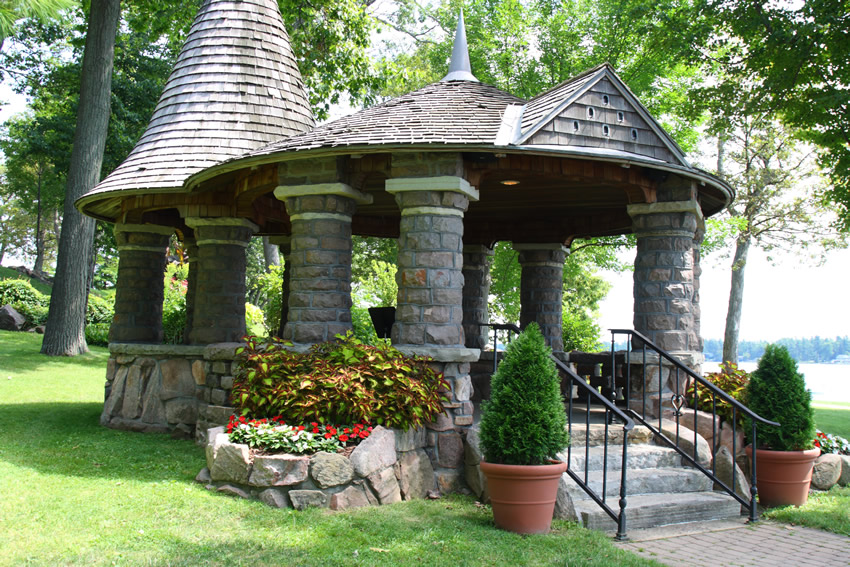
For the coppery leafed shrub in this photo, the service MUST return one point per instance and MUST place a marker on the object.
(341, 381)
(731, 380)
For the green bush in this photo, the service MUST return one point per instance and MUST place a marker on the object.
(580, 332)
(342, 381)
(26, 300)
(777, 391)
(267, 292)
(362, 326)
(97, 334)
(524, 422)
(174, 303)
(98, 310)
(255, 323)
(731, 380)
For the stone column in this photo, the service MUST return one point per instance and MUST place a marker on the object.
(697, 311)
(190, 246)
(542, 289)
(665, 281)
(139, 289)
(429, 316)
(319, 305)
(219, 311)
(284, 243)
(476, 293)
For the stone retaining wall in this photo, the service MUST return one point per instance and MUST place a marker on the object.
(389, 466)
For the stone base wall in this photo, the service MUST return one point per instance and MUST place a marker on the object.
(175, 389)
(389, 466)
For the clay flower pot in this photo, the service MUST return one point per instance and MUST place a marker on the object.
(523, 496)
(783, 477)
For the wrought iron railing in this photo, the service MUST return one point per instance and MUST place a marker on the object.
(588, 396)
(675, 390)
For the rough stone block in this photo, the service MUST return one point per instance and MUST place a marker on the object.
(199, 373)
(844, 479)
(463, 388)
(303, 499)
(182, 410)
(477, 482)
(115, 400)
(274, 497)
(203, 477)
(177, 379)
(153, 410)
(385, 485)
(450, 449)
(443, 422)
(331, 469)
(10, 319)
(233, 491)
(827, 471)
(351, 497)
(702, 453)
(449, 481)
(232, 462)
(375, 452)
(131, 407)
(410, 439)
(415, 474)
(723, 464)
(472, 447)
(279, 470)
(444, 335)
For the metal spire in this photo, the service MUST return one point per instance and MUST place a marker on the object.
(459, 68)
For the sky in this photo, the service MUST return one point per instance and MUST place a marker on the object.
(789, 299)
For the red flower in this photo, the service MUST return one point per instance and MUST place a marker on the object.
(300, 428)
(346, 430)
(364, 434)
(328, 435)
(343, 438)
(315, 430)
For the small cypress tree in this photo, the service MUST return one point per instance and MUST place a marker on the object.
(524, 422)
(777, 391)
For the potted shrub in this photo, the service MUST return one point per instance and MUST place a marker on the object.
(786, 454)
(523, 428)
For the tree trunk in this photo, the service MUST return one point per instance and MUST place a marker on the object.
(271, 253)
(66, 319)
(736, 300)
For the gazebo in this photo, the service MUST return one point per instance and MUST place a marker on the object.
(448, 170)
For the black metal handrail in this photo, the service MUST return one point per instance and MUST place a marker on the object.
(612, 412)
(678, 400)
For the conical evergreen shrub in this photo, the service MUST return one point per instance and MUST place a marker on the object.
(777, 391)
(524, 422)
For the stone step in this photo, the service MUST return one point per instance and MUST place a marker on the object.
(639, 457)
(595, 434)
(653, 510)
(640, 481)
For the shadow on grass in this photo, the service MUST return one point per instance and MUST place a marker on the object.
(21, 352)
(67, 439)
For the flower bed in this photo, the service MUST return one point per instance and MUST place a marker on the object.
(387, 466)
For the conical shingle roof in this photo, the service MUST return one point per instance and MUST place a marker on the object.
(235, 88)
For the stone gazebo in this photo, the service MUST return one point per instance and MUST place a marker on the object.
(448, 170)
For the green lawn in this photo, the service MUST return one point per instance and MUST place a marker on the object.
(833, 417)
(7, 273)
(75, 493)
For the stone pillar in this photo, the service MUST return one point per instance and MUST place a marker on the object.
(697, 311)
(319, 305)
(139, 289)
(219, 306)
(665, 281)
(542, 289)
(476, 294)
(429, 316)
(190, 247)
(284, 243)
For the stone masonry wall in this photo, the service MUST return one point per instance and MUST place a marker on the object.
(542, 290)
(389, 466)
(476, 293)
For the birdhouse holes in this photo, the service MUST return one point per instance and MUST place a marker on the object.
(605, 100)
(620, 116)
(634, 135)
(575, 125)
(590, 112)
(606, 131)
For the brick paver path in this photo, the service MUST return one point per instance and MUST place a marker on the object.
(762, 544)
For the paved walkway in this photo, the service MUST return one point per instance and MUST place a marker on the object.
(736, 544)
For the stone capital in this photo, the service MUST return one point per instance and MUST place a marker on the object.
(478, 249)
(283, 192)
(542, 246)
(442, 354)
(195, 222)
(449, 183)
(151, 228)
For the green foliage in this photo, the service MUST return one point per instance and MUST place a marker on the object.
(731, 380)
(362, 326)
(777, 391)
(266, 291)
(26, 300)
(275, 436)
(829, 443)
(378, 288)
(97, 334)
(343, 381)
(580, 332)
(524, 422)
(174, 303)
(98, 310)
(254, 322)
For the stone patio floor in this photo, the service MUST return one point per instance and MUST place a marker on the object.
(736, 544)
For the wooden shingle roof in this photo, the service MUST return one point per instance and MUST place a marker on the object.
(446, 112)
(235, 87)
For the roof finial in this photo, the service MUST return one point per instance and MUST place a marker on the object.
(459, 68)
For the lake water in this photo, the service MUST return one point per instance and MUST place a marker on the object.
(828, 382)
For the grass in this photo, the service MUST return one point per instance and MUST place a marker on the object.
(824, 510)
(75, 493)
(9, 273)
(833, 417)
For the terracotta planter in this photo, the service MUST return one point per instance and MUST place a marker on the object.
(783, 477)
(523, 497)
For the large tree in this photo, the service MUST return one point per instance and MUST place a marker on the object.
(64, 334)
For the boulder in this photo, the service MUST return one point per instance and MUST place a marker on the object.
(827, 471)
(351, 497)
(233, 491)
(131, 407)
(10, 319)
(203, 476)
(331, 469)
(274, 497)
(686, 441)
(385, 484)
(374, 453)
(415, 474)
(472, 447)
(303, 499)
(182, 410)
(410, 439)
(450, 450)
(231, 463)
(723, 466)
(844, 479)
(279, 470)
(177, 379)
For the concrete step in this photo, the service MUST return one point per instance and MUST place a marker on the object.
(581, 434)
(639, 457)
(641, 481)
(653, 510)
